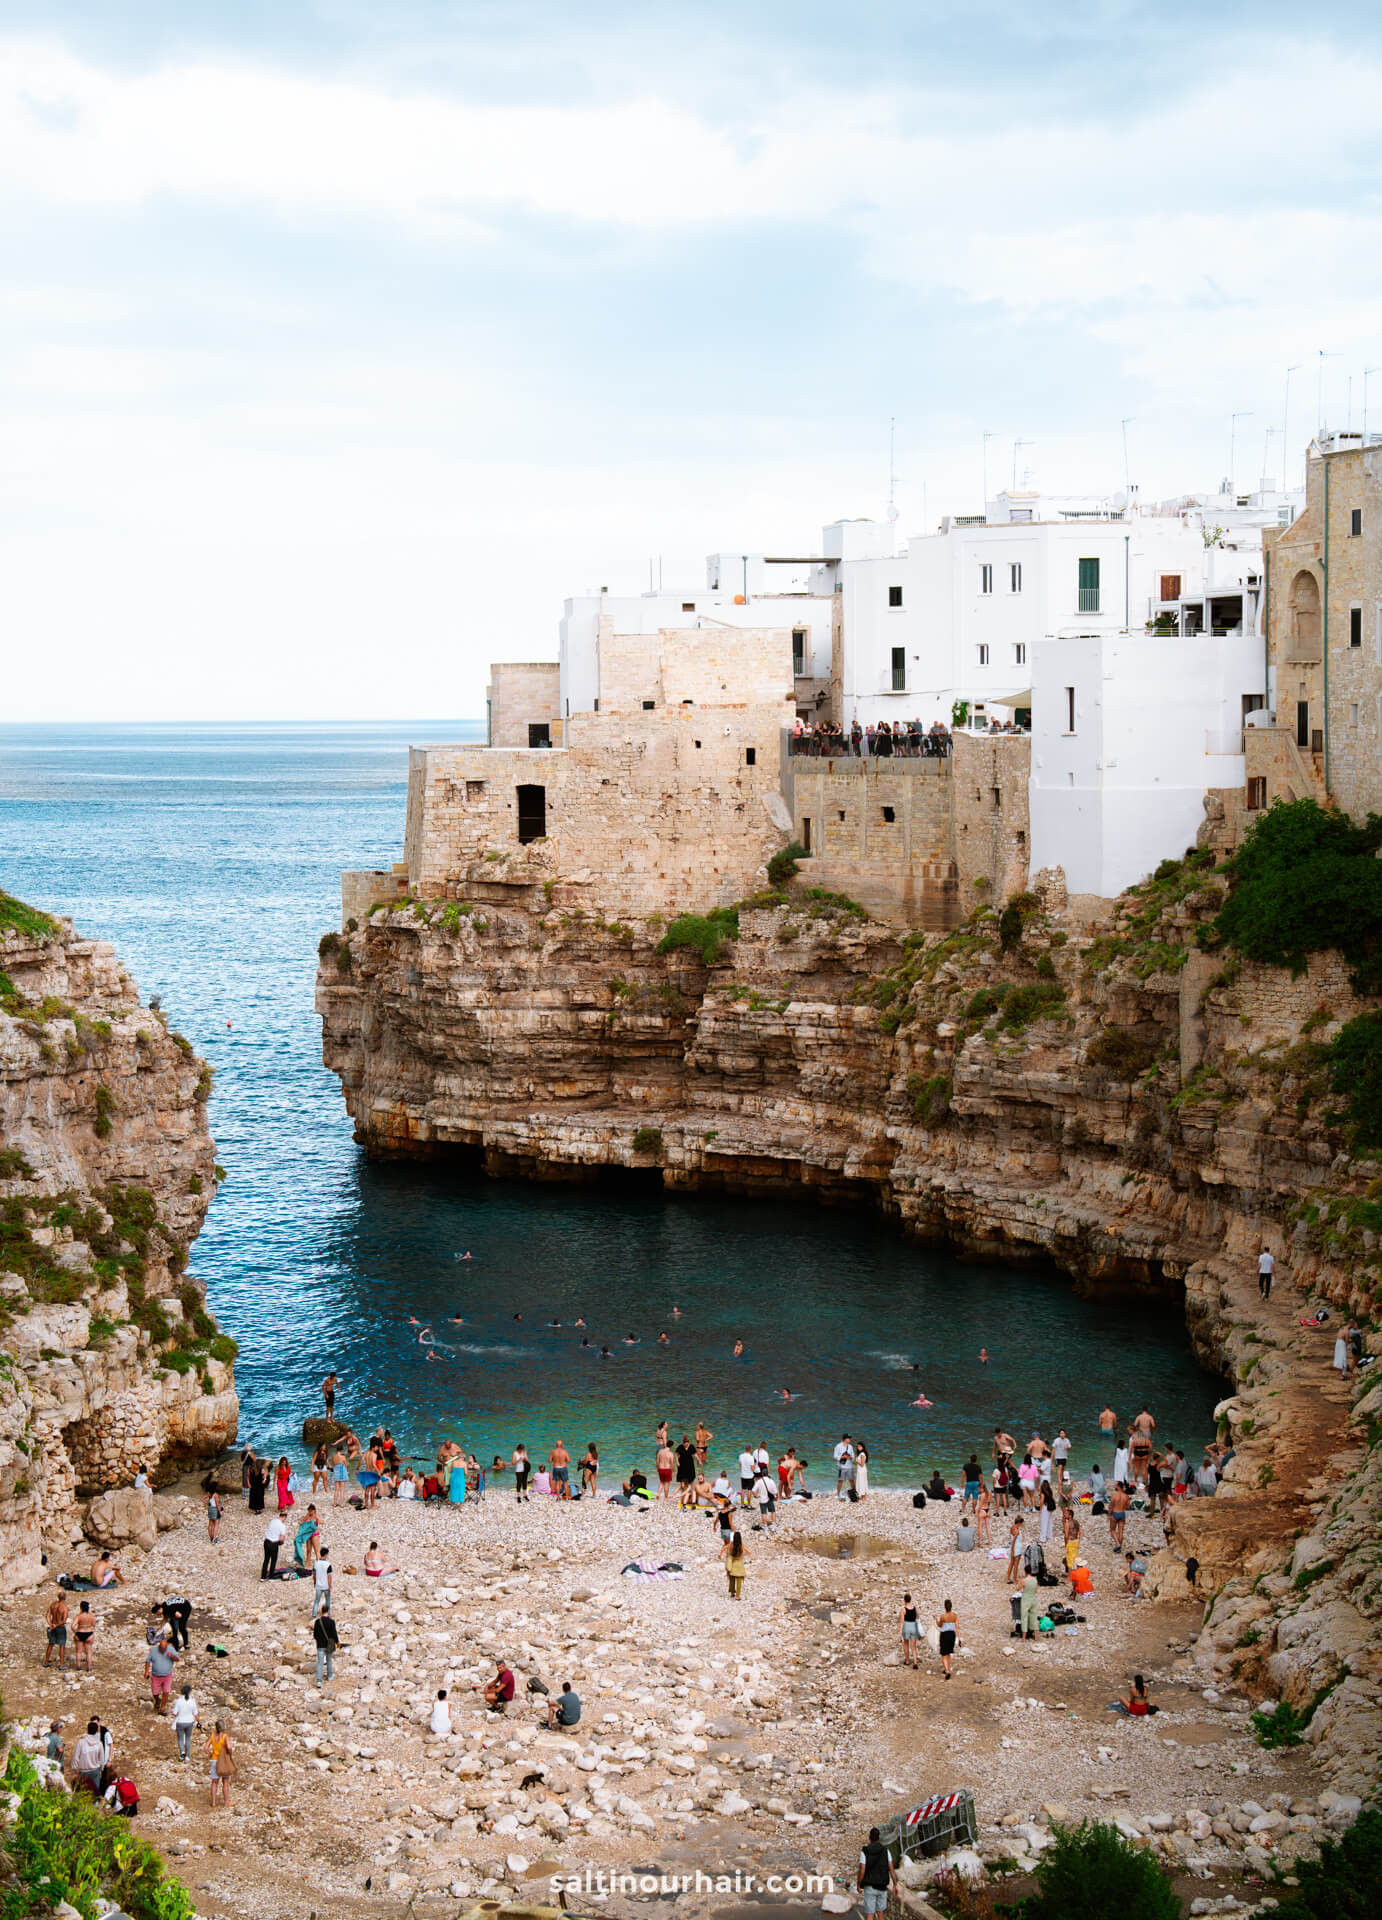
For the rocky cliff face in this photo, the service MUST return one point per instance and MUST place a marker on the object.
(108, 1358)
(1109, 1097)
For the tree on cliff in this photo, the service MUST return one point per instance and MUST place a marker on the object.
(1302, 881)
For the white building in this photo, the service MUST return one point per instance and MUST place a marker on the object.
(957, 615)
(1129, 731)
(741, 590)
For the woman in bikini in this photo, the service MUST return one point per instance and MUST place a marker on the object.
(319, 1469)
(83, 1628)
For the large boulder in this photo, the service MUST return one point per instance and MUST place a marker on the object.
(226, 1476)
(122, 1516)
(315, 1432)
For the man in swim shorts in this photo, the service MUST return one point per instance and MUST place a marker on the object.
(559, 1459)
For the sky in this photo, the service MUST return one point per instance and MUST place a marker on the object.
(339, 342)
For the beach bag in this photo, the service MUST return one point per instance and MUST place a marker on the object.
(853, 1493)
(918, 1500)
(225, 1765)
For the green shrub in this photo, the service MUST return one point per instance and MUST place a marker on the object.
(1282, 1727)
(105, 1107)
(1034, 1002)
(1304, 880)
(201, 1093)
(1123, 1051)
(194, 1183)
(1010, 927)
(704, 934)
(327, 945)
(1342, 1884)
(783, 865)
(1046, 967)
(343, 958)
(223, 1348)
(1093, 1871)
(13, 1165)
(1354, 1059)
(65, 1847)
(985, 1002)
(930, 1098)
(648, 1140)
(177, 1360)
(100, 1330)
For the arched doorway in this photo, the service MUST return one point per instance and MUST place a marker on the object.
(1305, 616)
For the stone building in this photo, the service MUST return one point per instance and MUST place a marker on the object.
(1324, 640)
(918, 841)
(666, 799)
(523, 704)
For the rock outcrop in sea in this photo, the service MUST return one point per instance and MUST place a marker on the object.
(109, 1359)
(1110, 1097)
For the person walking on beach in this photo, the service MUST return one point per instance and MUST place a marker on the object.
(666, 1465)
(319, 1465)
(736, 1558)
(222, 1763)
(948, 1624)
(283, 1483)
(910, 1627)
(748, 1473)
(559, 1459)
(1118, 1503)
(184, 1719)
(983, 1535)
(213, 1516)
(327, 1642)
(590, 1470)
(1266, 1267)
(876, 1877)
(158, 1670)
(522, 1468)
(321, 1582)
(339, 1476)
(56, 1622)
(1029, 1610)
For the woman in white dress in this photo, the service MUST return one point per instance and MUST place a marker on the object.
(861, 1472)
(1341, 1357)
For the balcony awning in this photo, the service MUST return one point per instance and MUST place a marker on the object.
(1023, 699)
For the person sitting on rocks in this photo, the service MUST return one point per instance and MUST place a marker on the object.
(1081, 1579)
(105, 1572)
(936, 1488)
(1137, 1704)
(376, 1566)
(1132, 1579)
(498, 1692)
(565, 1710)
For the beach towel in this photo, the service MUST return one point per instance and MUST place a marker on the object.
(654, 1570)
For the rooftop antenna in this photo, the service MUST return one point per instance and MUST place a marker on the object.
(892, 473)
(1127, 484)
(1233, 420)
(1285, 429)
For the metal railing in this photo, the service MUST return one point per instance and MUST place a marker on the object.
(1089, 599)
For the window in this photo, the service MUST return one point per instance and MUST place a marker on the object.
(889, 814)
(894, 596)
(474, 789)
(1355, 626)
(648, 705)
(532, 814)
(806, 835)
(798, 651)
(983, 656)
(750, 756)
(698, 743)
(899, 669)
(688, 606)
(1355, 522)
(1089, 586)
(1069, 709)
(1257, 793)
(997, 799)
(986, 579)
(1020, 653)
(539, 733)
(1014, 576)
(595, 706)
(1170, 586)
(1353, 713)
(842, 813)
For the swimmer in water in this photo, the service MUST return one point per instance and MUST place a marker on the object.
(921, 1401)
(676, 1313)
(983, 1356)
(518, 1316)
(585, 1343)
(424, 1338)
(605, 1354)
(738, 1348)
(662, 1340)
(456, 1320)
(578, 1323)
(631, 1341)
(554, 1323)
(787, 1394)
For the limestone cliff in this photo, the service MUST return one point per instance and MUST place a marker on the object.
(108, 1357)
(1110, 1097)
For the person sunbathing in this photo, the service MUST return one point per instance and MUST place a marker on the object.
(105, 1572)
(376, 1566)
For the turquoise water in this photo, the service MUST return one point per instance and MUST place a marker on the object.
(210, 857)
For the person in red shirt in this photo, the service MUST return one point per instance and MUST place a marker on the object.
(499, 1691)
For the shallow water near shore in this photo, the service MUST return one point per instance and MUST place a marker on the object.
(210, 856)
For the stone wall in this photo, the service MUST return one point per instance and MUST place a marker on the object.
(918, 842)
(522, 694)
(710, 666)
(364, 887)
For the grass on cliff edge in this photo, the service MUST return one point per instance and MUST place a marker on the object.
(17, 917)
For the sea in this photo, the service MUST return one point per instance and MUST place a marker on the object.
(452, 1305)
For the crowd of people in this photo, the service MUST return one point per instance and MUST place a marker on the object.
(902, 740)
